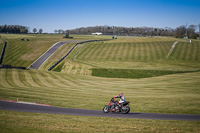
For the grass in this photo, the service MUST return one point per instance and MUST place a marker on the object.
(74, 87)
(176, 93)
(23, 53)
(36, 122)
(145, 55)
(131, 73)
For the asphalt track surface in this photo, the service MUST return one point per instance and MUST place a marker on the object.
(47, 54)
(21, 107)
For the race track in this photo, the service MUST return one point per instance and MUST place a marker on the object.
(47, 54)
(14, 106)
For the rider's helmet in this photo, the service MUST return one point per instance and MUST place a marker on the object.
(121, 94)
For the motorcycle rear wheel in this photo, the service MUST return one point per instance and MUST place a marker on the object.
(125, 110)
(106, 109)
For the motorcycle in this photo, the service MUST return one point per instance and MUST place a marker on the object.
(115, 106)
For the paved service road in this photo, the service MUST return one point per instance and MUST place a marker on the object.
(47, 54)
(14, 106)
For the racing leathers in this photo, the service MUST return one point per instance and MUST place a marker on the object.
(122, 99)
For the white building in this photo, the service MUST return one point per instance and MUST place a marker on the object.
(97, 33)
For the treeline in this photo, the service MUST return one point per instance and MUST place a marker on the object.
(13, 29)
(181, 31)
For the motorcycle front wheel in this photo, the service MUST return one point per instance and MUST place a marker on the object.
(106, 109)
(125, 109)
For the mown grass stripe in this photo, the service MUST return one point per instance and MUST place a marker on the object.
(144, 51)
(3, 78)
(67, 80)
(190, 53)
(114, 51)
(128, 55)
(152, 57)
(139, 51)
(163, 51)
(179, 47)
(117, 52)
(103, 51)
(197, 56)
(186, 52)
(16, 79)
(22, 77)
(13, 55)
(148, 52)
(91, 52)
(177, 51)
(30, 80)
(157, 51)
(9, 78)
(107, 55)
(96, 49)
(44, 80)
(183, 52)
(193, 52)
(84, 51)
(99, 51)
(134, 51)
(34, 75)
(52, 78)
(125, 52)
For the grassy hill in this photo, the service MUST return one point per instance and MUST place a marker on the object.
(71, 85)
(121, 58)
(140, 54)
(146, 95)
(23, 53)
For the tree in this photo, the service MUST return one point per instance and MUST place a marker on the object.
(40, 31)
(60, 31)
(180, 32)
(191, 32)
(56, 31)
(34, 30)
(13, 29)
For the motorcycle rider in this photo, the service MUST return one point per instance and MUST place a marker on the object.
(122, 99)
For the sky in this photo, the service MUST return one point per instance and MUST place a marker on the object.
(50, 15)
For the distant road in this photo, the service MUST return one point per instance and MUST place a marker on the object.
(47, 54)
(14, 106)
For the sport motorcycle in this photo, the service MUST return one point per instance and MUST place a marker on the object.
(115, 106)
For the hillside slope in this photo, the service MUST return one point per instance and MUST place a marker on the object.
(177, 93)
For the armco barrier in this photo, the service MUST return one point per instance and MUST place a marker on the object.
(54, 65)
(3, 51)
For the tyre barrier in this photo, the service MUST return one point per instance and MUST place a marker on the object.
(3, 51)
(54, 65)
(10, 67)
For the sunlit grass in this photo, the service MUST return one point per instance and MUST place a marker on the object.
(176, 93)
(36, 122)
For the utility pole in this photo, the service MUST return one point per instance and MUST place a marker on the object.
(186, 31)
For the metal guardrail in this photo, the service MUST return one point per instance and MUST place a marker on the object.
(54, 65)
